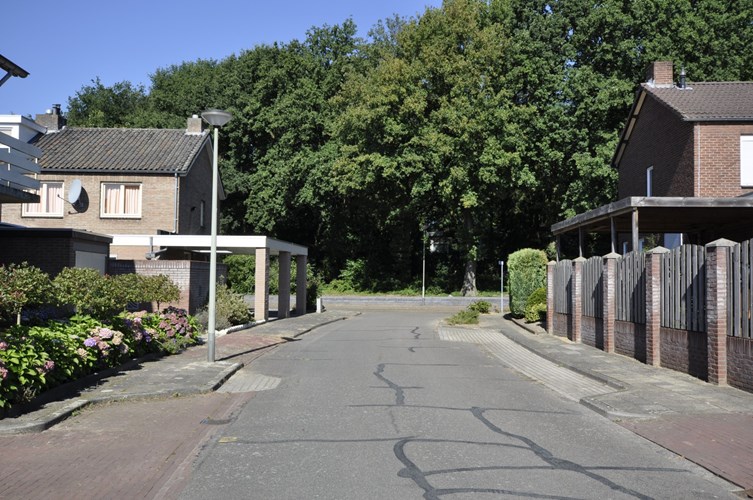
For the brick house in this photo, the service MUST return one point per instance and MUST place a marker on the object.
(132, 181)
(685, 166)
(706, 131)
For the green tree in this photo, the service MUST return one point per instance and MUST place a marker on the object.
(22, 285)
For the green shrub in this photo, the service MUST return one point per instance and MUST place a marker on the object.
(159, 289)
(464, 317)
(536, 305)
(481, 306)
(230, 309)
(22, 285)
(241, 273)
(34, 359)
(526, 273)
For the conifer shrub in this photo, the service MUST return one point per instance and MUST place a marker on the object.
(526, 273)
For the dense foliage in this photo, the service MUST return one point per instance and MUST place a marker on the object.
(485, 120)
(527, 272)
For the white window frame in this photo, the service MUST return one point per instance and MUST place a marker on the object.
(746, 161)
(121, 213)
(650, 181)
(27, 211)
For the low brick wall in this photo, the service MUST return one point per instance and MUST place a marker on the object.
(562, 325)
(192, 277)
(592, 331)
(740, 363)
(630, 339)
(685, 351)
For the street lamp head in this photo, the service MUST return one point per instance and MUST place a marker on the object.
(216, 117)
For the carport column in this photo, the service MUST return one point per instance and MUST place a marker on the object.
(300, 285)
(283, 298)
(653, 305)
(577, 295)
(261, 290)
(718, 254)
(609, 315)
(550, 297)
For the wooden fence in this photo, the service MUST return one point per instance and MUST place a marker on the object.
(630, 285)
(591, 286)
(563, 285)
(683, 288)
(740, 291)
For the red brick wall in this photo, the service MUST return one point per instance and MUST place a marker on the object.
(630, 340)
(592, 331)
(684, 351)
(562, 325)
(662, 140)
(740, 363)
(719, 157)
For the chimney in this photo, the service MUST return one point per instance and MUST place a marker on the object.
(682, 78)
(52, 119)
(194, 125)
(659, 74)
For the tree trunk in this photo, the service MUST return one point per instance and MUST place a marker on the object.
(469, 279)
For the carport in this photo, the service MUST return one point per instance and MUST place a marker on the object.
(262, 247)
(702, 219)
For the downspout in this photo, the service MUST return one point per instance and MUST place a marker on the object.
(177, 194)
(698, 158)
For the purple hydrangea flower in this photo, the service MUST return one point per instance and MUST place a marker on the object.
(90, 342)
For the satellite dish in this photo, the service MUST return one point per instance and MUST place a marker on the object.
(74, 193)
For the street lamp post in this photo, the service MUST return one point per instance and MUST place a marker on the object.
(216, 118)
(502, 287)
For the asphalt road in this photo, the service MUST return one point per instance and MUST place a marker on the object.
(380, 407)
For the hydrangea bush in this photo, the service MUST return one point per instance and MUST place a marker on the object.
(37, 358)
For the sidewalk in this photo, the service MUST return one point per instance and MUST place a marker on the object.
(186, 373)
(707, 424)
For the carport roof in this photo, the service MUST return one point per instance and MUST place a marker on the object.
(665, 215)
(199, 243)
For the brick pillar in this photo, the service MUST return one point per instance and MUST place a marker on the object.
(653, 305)
(261, 289)
(717, 257)
(550, 297)
(577, 298)
(283, 294)
(300, 284)
(610, 299)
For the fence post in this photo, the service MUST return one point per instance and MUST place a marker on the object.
(610, 299)
(653, 305)
(577, 299)
(550, 297)
(718, 254)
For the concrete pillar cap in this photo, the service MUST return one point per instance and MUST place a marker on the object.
(612, 255)
(658, 249)
(721, 242)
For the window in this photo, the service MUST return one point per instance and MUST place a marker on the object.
(650, 181)
(50, 201)
(746, 160)
(121, 200)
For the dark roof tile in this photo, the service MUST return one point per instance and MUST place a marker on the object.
(98, 150)
(708, 101)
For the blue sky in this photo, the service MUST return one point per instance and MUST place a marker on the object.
(66, 44)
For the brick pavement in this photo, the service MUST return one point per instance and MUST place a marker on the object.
(722, 443)
(83, 457)
(708, 424)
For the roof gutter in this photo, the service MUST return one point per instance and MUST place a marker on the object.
(177, 195)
